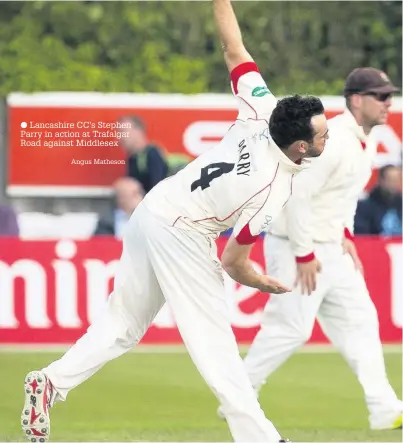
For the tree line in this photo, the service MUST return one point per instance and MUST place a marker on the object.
(169, 46)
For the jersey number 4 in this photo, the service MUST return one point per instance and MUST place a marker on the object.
(206, 177)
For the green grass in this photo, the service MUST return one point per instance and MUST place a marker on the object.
(162, 397)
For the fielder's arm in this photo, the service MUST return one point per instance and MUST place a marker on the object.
(298, 210)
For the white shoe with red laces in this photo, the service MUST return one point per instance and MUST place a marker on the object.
(35, 420)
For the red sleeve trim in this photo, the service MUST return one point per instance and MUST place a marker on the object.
(241, 70)
(306, 258)
(245, 237)
(348, 234)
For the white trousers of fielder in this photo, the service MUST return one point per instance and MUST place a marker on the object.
(161, 263)
(346, 314)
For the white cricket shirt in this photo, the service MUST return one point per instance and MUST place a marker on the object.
(325, 197)
(242, 183)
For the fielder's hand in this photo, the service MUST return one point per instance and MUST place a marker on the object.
(306, 275)
(349, 248)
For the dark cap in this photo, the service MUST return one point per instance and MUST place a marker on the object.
(363, 80)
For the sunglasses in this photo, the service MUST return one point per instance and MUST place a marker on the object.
(378, 96)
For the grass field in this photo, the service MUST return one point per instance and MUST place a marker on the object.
(162, 397)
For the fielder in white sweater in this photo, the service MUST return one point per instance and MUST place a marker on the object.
(311, 248)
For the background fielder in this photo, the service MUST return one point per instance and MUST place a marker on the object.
(312, 243)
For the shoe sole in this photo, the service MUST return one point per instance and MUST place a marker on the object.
(35, 421)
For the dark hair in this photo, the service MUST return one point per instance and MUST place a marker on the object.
(291, 119)
(134, 120)
(383, 171)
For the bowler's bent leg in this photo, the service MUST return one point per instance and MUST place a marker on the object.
(191, 279)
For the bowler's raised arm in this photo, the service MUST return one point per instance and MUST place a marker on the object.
(230, 34)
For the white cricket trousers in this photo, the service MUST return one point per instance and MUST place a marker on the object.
(345, 312)
(159, 263)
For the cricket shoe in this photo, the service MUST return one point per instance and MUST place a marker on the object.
(35, 420)
(398, 424)
(221, 415)
(389, 424)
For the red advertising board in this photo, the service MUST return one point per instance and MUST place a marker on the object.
(50, 291)
(50, 133)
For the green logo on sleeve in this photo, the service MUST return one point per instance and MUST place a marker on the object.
(260, 91)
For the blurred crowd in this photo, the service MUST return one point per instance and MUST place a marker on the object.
(380, 213)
